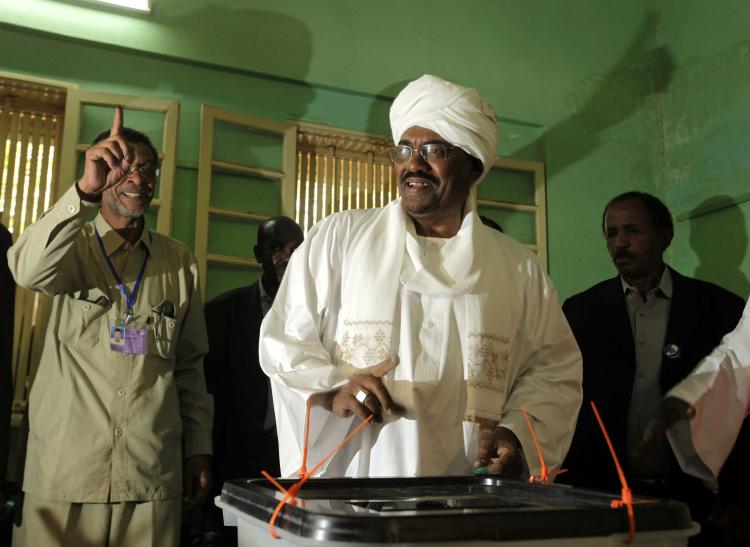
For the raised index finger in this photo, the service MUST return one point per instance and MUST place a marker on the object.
(116, 122)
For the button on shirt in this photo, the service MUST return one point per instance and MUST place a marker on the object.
(105, 425)
(648, 323)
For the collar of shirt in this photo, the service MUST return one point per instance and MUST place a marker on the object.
(663, 289)
(113, 241)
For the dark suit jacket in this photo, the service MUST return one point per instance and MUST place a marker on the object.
(700, 314)
(7, 314)
(239, 387)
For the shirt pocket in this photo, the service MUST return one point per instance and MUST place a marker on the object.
(162, 338)
(83, 318)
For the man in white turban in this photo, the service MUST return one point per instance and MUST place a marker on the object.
(420, 315)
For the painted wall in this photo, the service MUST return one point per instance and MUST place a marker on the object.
(704, 168)
(111, 70)
(578, 84)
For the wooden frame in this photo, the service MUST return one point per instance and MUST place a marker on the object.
(31, 309)
(206, 166)
(538, 208)
(40, 81)
(340, 147)
(71, 148)
(64, 88)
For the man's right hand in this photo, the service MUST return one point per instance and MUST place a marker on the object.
(343, 401)
(669, 411)
(107, 162)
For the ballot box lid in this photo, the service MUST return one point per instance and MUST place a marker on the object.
(425, 509)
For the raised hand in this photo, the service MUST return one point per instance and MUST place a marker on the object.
(108, 161)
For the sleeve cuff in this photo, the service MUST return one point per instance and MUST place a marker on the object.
(87, 198)
(73, 204)
(198, 443)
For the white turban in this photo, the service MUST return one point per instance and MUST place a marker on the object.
(456, 113)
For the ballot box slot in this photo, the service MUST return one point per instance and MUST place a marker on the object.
(433, 503)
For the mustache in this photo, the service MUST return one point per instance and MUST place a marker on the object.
(622, 254)
(418, 174)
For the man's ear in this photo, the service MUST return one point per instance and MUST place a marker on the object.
(476, 168)
(256, 252)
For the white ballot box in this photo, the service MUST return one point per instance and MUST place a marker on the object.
(445, 511)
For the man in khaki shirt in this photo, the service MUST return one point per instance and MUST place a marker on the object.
(120, 420)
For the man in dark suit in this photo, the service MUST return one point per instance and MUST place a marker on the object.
(244, 428)
(640, 333)
(7, 300)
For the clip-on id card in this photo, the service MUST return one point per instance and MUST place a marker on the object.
(124, 338)
(127, 339)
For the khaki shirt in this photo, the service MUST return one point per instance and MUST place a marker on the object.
(109, 426)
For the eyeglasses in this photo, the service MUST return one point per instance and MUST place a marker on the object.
(147, 170)
(430, 152)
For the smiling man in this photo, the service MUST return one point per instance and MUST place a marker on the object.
(640, 333)
(418, 314)
(120, 420)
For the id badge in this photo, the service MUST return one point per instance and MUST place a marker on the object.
(124, 338)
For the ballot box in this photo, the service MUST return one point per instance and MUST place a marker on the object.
(478, 511)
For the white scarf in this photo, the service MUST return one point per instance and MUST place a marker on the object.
(385, 260)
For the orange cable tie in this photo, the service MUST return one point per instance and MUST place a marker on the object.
(271, 527)
(303, 467)
(304, 475)
(626, 498)
(545, 476)
(273, 481)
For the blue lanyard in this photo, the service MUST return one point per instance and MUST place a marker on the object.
(129, 299)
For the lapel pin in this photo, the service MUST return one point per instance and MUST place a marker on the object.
(673, 351)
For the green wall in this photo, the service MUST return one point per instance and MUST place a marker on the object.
(704, 169)
(112, 70)
(580, 84)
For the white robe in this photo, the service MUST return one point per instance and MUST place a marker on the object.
(719, 390)
(305, 345)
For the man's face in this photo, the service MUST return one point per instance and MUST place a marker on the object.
(634, 244)
(129, 198)
(441, 185)
(281, 237)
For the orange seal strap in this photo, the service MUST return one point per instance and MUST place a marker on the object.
(544, 477)
(303, 467)
(273, 481)
(290, 495)
(626, 499)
